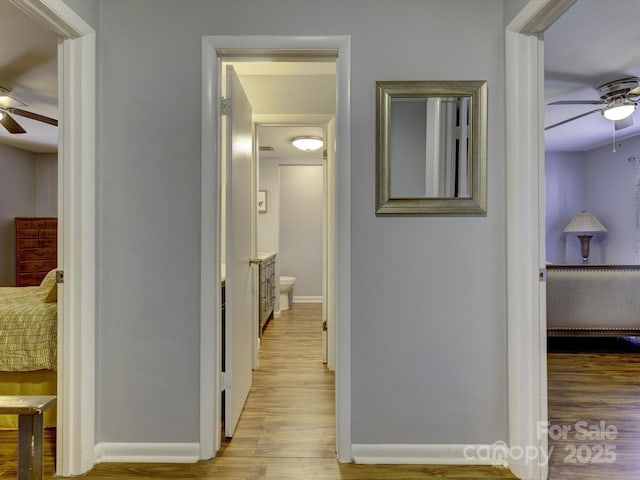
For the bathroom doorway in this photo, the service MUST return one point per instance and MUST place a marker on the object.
(216, 51)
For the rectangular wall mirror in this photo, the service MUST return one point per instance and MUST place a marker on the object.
(431, 147)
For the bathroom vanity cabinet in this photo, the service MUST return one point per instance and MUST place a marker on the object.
(267, 288)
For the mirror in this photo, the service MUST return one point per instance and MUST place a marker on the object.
(431, 147)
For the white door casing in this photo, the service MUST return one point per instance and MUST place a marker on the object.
(76, 231)
(526, 296)
(213, 47)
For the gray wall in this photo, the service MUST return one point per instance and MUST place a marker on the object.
(269, 222)
(598, 181)
(301, 196)
(512, 8)
(408, 126)
(46, 185)
(307, 271)
(17, 198)
(28, 187)
(610, 194)
(428, 294)
(87, 9)
(564, 198)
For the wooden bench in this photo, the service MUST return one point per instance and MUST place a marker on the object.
(29, 409)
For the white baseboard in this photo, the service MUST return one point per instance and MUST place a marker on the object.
(147, 452)
(430, 454)
(307, 299)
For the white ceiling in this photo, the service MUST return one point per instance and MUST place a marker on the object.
(28, 67)
(595, 42)
(289, 99)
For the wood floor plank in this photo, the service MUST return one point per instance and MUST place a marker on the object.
(594, 381)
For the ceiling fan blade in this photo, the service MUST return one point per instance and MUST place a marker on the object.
(572, 119)
(624, 123)
(577, 102)
(634, 92)
(33, 116)
(7, 99)
(10, 124)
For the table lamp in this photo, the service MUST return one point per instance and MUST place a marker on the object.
(585, 225)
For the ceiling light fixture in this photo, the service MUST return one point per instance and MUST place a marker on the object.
(619, 109)
(307, 143)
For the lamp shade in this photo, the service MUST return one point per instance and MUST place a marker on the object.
(584, 223)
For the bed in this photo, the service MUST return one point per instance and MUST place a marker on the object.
(28, 343)
(597, 300)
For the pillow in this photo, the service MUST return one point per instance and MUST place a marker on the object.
(52, 294)
(49, 287)
(48, 280)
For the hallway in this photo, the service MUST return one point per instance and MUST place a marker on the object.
(287, 428)
(290, 410)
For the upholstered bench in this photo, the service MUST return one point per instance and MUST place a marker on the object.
(29, 409)
(593, 300)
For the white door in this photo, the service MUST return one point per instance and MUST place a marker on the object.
(240, 321)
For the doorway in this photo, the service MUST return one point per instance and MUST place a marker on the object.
(214, 48)
(526, 275)
(254, 92)
(76, 204)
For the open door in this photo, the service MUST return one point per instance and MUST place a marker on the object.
(240, 298)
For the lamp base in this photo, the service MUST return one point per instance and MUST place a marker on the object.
(584, 247)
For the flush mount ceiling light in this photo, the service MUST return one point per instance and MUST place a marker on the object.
(619, 109)
(307, 143)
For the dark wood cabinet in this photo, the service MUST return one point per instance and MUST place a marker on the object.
(267, 289)
(36, 249)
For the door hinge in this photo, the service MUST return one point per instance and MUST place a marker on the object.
(225, 380)
(225, 106)
(59, 276)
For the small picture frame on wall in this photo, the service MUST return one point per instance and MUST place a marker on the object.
(262, 201)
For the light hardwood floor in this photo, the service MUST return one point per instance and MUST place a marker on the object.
(287, 429)
(597, 382)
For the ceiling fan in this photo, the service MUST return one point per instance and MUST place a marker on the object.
(9, 123)
(619, 97)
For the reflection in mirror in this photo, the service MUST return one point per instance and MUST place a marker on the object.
(431, 147)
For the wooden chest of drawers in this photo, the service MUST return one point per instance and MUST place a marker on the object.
(36, 249)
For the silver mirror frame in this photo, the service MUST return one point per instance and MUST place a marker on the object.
(476, 204)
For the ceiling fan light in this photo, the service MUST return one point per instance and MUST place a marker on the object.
(619, 111)
(307, 143)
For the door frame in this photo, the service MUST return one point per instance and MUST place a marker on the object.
(526, 258)
(76, 231)
(212, 49)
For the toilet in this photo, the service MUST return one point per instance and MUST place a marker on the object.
(286, 289)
